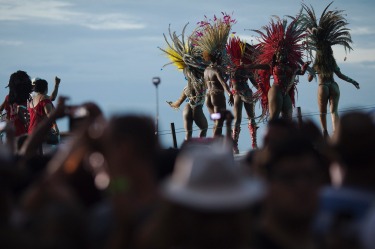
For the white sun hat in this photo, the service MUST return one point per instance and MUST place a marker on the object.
(207, 178)
(34, 79)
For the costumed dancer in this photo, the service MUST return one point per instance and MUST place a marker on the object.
(281, 51)
(240, 54)
(210, 38)
(331, 30)
(183, 55)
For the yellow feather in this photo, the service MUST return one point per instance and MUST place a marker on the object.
(175, 58)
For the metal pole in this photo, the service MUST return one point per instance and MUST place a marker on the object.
(174, 136)
(156, 82)
(157, 112)
(299, 117)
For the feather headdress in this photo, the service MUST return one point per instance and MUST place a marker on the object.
(185, 57)
(181, 52)
(329, 30)
(211, 35)
(279, 37)
(236, 50)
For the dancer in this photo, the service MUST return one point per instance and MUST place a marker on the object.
(193, 111)
(331, 30)
(184, 57)
(210, 39)
(240, 54)
(281, 51)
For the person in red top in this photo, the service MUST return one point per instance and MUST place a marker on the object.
(40, 106)
(16, 101)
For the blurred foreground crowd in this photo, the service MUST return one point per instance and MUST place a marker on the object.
(110, 184)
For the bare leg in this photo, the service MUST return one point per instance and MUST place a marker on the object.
(200, 120)
(218, 101)
(334, 104)
(275, 101)
(218, 128)
(237, 113)
(188, 121)
(323, 96)
(287, 108)
(237, 110)
(209, 104)
(249, 107)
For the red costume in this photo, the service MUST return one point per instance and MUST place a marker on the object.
(37, 114)
(12, 115)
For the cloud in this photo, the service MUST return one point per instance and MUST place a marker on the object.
(362, 31)
(10, 43)
(63, 13)
(358, 55)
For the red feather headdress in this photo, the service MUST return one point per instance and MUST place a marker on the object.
(278, 37)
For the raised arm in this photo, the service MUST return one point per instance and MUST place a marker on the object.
(55, 89)
(346, 78)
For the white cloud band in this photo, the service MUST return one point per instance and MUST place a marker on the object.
(62, 12)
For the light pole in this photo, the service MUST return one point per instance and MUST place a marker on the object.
(156, 82)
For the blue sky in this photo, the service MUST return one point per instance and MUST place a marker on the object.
(107, 51)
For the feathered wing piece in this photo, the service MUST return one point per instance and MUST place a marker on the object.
(324, 33)
(185, 57)
(211, 36)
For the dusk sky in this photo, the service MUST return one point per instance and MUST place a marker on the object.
(107, 51)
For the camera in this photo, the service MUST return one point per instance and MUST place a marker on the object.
(76, 115)
(79, 112)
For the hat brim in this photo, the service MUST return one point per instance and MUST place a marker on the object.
(239, 196)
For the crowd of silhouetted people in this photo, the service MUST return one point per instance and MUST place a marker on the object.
(110, 184)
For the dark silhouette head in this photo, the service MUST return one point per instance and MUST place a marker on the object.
(41, 86)
(19, 87)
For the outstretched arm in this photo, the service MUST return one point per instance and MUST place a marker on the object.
(55, 89)
(257, 66)
(177, 103)
(223, 83)
(302, 70)
(346, 78)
